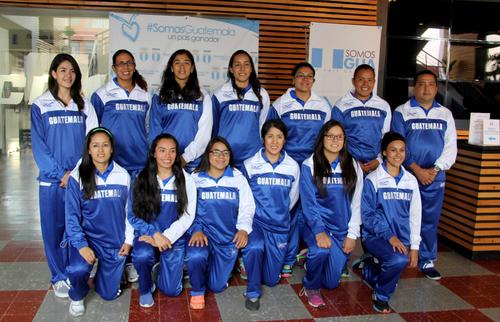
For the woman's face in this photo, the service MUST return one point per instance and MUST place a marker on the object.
(64, 75)
(395, 153)
(274, 140)
(165, 153)
(333, 140)
(124, 67)
(363, 83)
(100, 149)
(219, 157)
(303, 79)
(241, 69)
(182, 67)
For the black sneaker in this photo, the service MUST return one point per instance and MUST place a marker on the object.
(252, 304)
(431, 273)
(380, 306)
(360, 262)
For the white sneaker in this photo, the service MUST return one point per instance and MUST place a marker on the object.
(77, 308)
(61, 288)
(131, 273)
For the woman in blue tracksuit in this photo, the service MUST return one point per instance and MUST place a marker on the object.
(331, 182)
(161, 210)
(391, 214)
(60, 118)
(96, 221)
(304, 113)
(224, 215)
(274, 178)
(121, 106)
(182, 109)
(240, 107)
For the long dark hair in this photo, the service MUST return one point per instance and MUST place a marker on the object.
(76, 89)
(87, 167)
(204, 165)
(136, 77)
(323, 168)
(170, 91)
(253, 80)
(147, 195)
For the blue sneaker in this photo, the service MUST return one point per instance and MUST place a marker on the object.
(146, 300)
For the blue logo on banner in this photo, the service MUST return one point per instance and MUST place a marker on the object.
(338, 58)
(317, 57)
(130, 28)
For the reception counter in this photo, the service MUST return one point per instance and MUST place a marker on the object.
(471, 211)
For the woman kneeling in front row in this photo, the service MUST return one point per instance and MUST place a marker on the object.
(391, 214)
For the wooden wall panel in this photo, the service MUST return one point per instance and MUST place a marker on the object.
(284, 24)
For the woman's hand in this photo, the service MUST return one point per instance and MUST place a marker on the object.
(397, 245)
(323, 241)
(413, 258)
(162, 242)
(241, 239)
(349, 245)
(88, 254)
(198, 240)
(64, 179)
(125, 249)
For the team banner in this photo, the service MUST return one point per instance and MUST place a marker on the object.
(153, 38)
(336, 50)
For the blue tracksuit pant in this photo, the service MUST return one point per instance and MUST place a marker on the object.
(432, 202)
(52, 223)
(144, 256)
(323, 265)
(210, 266)
(107, 278)
(263, 258)
(384, 276)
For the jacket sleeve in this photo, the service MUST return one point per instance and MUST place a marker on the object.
(246, 209)
(91, 120)
(154, 118)
(373, 220)
(215, 115)
(308, 199)
(182, 224)
(398, 125)
(98, 106)
(415, 217)
(265, 108)
(355, 222)
(294, 191)
(41, 151)
(200, 141)
(386, 128)
(449, 154)
(273, 113)
(337, 115)
(73, 211)
(129, 230)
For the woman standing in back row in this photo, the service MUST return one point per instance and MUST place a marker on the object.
(60, 119)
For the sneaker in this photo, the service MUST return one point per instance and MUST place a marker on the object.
(431, 273)
(61, 288)
(345, 272)
(252, 304)
(360, 262)
(314, 297)
(301, 257)
(380, 306)
(131, 273)
(147, 300)
(241, 269)
(197, 302)
(286, 271)
(76, 308)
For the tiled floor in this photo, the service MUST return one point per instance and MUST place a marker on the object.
(469, 291)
